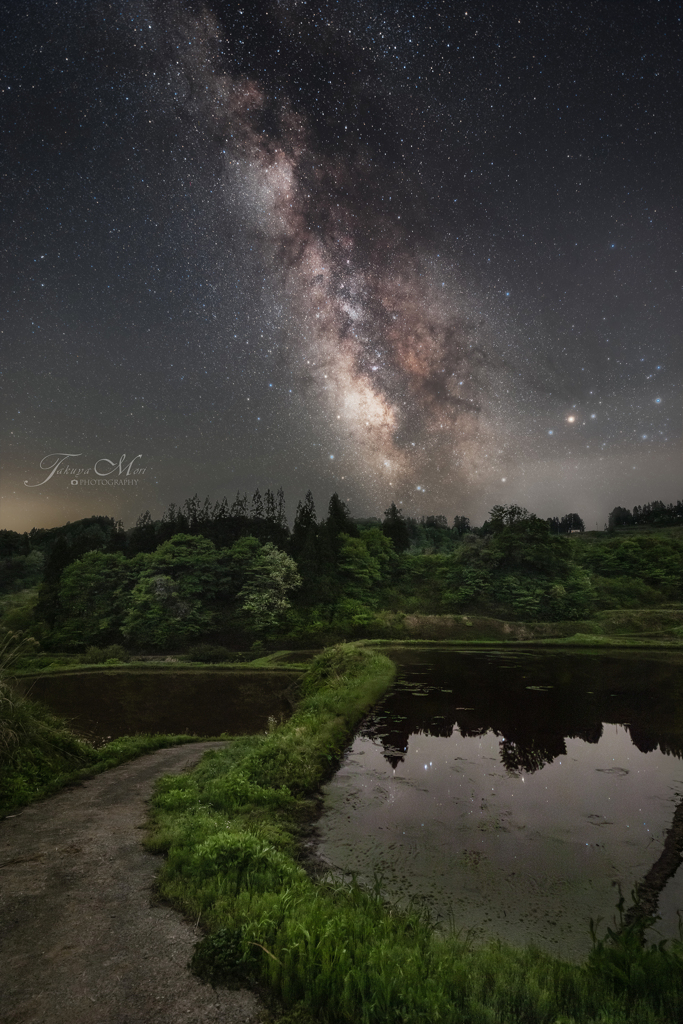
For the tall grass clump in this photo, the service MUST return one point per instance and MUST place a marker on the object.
(335, 952)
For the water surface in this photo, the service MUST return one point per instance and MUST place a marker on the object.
(512, 794)
(118, 703)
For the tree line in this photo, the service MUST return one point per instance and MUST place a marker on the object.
(236, 570)
(656, 513)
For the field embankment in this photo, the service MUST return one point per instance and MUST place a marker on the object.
(333, 952)
(663, 625)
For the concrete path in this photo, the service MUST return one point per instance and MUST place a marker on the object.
(81, 941)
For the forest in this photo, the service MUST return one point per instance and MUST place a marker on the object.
(210, 577)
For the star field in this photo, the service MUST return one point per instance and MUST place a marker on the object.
(426, 254)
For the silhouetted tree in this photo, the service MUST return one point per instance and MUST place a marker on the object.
(461, 525)
(620, 517)
(143, 535)
(280, 511)
(572, 521)
(305, 524)
(395, 528)
(257, 509)
(508, 515)
(339, 520)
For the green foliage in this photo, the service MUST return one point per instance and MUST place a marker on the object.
(21, 571)
(35, 746)
(94, 594)
(187, 588)
(508, 515)
(626, 964)
(653, 561)
(64, 545)
(193, 563)
(358, 569)
(159, 617)
(655, 513)
(353, 617)
(17, 614)
(625, 592)
(166, 605)
(339, 519)
(521, 571)
(537, 598)
(271, 576)
(431, 535)
(466, 584)
(225, 958)
(526, 543)
(113, 654)
(209, 653)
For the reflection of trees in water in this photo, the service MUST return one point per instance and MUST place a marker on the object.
(527, 752)
(533, 725)
(519, 758)
(527, 744)
(648, 736)
(648, 890)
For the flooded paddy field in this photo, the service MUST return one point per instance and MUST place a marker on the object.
(515, 794)
(107, 704)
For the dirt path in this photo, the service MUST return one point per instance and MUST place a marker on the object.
(80, 940)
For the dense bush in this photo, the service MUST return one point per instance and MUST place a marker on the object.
(209, 653)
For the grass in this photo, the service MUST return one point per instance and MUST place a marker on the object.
(39, 754)
(34, 667)
(337, 953)
(30, 663)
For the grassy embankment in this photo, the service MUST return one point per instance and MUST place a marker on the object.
(38, 752)
(638, 627)
(332, 952)
(31, 662)
(663, 625)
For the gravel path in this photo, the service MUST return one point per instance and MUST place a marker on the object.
(81, 941)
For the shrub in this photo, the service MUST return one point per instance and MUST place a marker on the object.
(209, 653)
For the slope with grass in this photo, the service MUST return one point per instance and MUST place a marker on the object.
(39, 754)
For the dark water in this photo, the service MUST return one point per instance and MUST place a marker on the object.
(118, 703)
(512, 794)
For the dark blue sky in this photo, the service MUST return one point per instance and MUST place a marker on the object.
(426, 253)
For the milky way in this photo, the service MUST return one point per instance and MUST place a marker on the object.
(394, 365)
(429, 256)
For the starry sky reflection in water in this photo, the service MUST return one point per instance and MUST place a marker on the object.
(424, 253)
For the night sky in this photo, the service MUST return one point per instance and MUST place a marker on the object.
(424, 252)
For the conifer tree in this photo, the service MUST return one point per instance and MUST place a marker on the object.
(270, 509)
(339, 519)
(281, 514)
(257, 510)
(396, 529)
(239, 509)
(305, 523)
